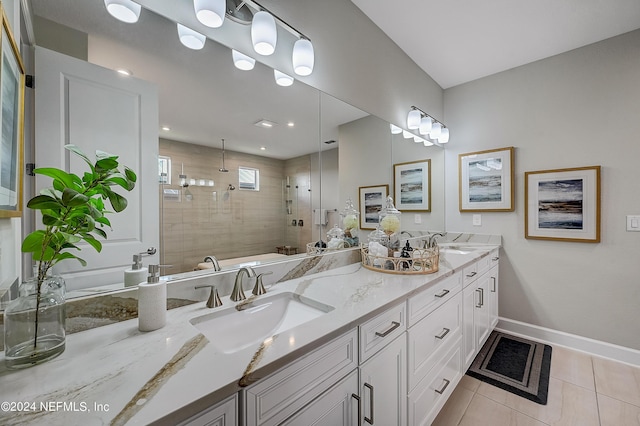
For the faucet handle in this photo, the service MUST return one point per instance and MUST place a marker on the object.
(259, 289)
(214, 298)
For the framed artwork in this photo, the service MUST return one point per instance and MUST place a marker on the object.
(372, 199)
(563, 204)
(412, 186)
(485, 181)
(12, 122)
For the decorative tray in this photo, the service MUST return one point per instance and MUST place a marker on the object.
(424, 261)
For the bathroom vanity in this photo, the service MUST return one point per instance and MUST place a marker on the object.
(347, 345)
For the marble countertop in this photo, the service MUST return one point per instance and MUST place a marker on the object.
(117, 375)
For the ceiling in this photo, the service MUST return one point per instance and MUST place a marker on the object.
(202, 96)
(456, 41)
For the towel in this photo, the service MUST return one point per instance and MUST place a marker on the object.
(320, 217)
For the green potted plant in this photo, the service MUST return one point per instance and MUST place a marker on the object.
(73, 211)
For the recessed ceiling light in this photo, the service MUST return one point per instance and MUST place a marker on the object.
(123, 71)
(265, 123)
(291, 124)
(166, 128)
(262, 148)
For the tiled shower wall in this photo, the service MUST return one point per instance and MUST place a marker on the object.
(205, 220)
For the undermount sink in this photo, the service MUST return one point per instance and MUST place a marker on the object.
(235, 328)
(461, 249)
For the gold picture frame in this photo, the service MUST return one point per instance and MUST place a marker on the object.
(12, 83)
(485, 181)
(412, 186)
(563, 204)
(371, 201)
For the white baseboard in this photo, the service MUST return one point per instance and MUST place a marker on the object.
(571, 341)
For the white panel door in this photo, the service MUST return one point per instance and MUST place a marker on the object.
(98, 109)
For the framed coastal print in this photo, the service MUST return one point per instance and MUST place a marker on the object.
(563, 204)
(485, 180)
(372, 199)
(412, 186)
(11, 119)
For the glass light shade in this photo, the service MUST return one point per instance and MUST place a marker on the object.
(395, 130)
(264, 33)
(242, 61)
(210, 12)
(413, 119)
(444, 135)
(191, 39)
(436, 129)
(303, 57)
(427, 143)
(406, 134)
(282, 79)
(123, 10)
(425, 125)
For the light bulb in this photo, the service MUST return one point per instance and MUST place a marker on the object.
(303, 57)
(123, 10)
(425, 125)
(395, 129)
(242, 61)
(444, 135)
(282, 79)
(413, 119)
(264, 34)
(210, 12)
(436, 129)
(191, 39)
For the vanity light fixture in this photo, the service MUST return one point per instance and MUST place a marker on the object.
(427, 125)
(282, 79)
(395, 130)
(210, 12)
(190, 38)
(413, 119)
(123, 10)
(303, 57)
(242, 61)
(264, 34)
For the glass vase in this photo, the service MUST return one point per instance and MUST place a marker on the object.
(34, 325)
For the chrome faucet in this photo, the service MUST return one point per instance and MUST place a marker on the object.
(237, 294)
(212, 259)
(431, 242)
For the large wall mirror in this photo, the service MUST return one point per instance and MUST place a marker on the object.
(292, 155)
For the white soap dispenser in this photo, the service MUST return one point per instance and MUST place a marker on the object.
(152, 301)
(136, 274)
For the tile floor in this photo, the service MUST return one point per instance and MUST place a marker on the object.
(583, 391)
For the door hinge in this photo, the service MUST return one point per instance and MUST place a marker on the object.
(29, 81)
(30, 167)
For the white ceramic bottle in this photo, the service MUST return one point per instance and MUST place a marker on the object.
(152, 301)
(137, 273)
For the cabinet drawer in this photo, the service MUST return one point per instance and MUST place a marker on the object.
(433, 391)
(469, 274)
(422, 304)
(483, 265)
(376, 333)
(273, 399)
(433, 336)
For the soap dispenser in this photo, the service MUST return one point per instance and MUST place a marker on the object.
(136, 274)
(152, 301)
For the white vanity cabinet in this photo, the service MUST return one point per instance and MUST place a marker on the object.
(383, 369)
(224, 413)
(480, 306)
(494, 280)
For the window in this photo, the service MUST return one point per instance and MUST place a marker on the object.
(164, 169)
(249, 179)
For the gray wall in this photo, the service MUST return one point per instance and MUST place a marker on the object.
(581, 108)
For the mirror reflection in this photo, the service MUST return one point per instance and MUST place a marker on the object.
(290, 159)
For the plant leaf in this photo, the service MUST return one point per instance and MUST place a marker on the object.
(68, 179)
(79, 153)
(131, 175)
(40, 202)
(107, 164)
(72, 198)
(100, 232)
(33, 241)
(93, 242)
(121, 180)
(118, 202)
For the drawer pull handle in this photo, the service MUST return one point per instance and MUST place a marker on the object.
(443, 293)
(394, 325)
(369, 419)
(493, 287)
(441, 390)
(481, 298)
(445, 331)
(471, 275)
(357, 398)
